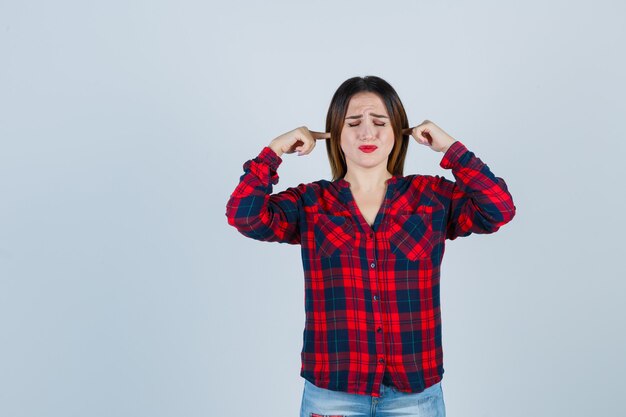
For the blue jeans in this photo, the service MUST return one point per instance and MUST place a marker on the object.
(322, 402)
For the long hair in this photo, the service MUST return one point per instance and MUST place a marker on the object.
(337, 113)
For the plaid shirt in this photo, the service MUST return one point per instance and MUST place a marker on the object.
(372, 292)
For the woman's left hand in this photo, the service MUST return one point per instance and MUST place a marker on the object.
(429, 134)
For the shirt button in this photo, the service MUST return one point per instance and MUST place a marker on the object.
(379, 330)
(373, 265)
(381, 360)
(375, 298)
(371, 235)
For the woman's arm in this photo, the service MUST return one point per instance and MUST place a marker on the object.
(257, 213)
(478, 202)
(253, 209)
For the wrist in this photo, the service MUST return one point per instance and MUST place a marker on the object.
(445, 148)
(276, 150)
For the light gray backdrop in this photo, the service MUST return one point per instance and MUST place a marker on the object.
(124, 126)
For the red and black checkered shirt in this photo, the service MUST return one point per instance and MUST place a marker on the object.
(372, 292)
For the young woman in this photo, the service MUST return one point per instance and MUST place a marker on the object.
(372, 243)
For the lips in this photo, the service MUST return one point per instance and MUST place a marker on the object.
(368, 148)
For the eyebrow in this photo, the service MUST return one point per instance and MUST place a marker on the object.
(358, 116)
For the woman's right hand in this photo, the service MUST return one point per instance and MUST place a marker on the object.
(301, 140)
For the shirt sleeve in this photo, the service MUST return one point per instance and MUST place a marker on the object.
(257, 213)
(478, 201)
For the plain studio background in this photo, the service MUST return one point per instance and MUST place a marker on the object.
(124, 127)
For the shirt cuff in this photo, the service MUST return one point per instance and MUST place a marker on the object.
(264, 166)
(452, 155)
(270, 157)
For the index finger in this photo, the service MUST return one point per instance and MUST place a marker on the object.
(320, 135)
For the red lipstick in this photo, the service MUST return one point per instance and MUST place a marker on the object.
(368, 148)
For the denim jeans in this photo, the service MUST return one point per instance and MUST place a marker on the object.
(324, 403)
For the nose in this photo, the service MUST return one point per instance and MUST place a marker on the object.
(366, 131)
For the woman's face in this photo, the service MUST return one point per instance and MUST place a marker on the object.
(367, 136)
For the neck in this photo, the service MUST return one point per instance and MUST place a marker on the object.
(366, 180)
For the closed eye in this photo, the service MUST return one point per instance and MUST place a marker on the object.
(356, 124)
